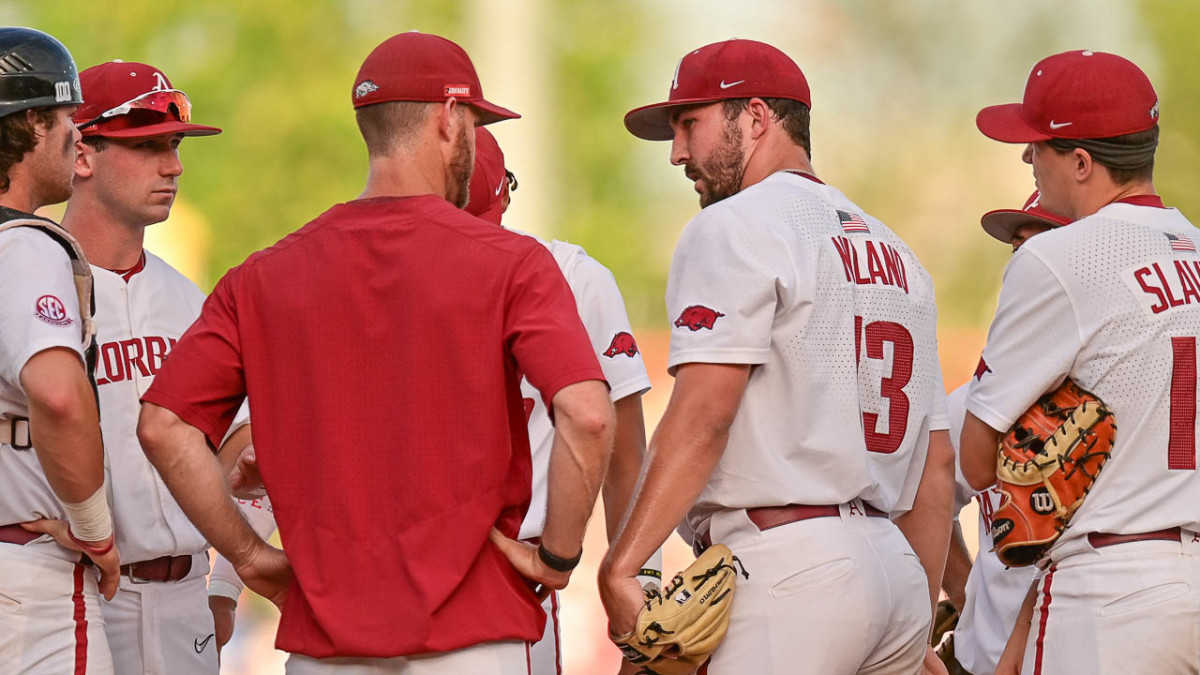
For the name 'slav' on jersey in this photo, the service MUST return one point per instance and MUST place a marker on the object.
(838, 316)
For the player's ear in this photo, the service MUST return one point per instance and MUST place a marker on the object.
(760, 117)
(447, 119)
(85, 160)
(1084, 164)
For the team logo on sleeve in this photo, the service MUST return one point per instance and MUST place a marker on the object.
(981, 369)
(696, 317)
(52, 310)
(622, 343)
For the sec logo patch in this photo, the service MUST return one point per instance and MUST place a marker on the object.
(50, 309)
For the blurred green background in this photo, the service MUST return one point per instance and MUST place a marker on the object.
(896, 86)
(895, 89)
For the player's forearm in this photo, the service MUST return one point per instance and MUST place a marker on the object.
(979, 443)
(629, 451)
(65, 424)
(583, 438)
(685, 449)
(191, 472)
(958, 568)
(232, 448)
(927, 525)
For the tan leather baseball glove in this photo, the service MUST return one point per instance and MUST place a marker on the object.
(683, 624)
(1048, 462)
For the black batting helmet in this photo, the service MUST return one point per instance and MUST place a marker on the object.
(36, 71)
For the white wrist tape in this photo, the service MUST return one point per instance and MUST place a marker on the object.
(654, 564)
(90, 519)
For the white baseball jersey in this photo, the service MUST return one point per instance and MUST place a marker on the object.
(39, 310)
(838, 316)
(994, 593)
(138, 322)
(603, 313)
(1113, 302)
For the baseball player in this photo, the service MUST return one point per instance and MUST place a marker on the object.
(126, 179)
(603, 313)
(381, 344)
(1112, 303)
(808, 403)
(50, 618)
(986, 594)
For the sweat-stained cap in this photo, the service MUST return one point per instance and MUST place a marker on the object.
(125, 99)
(717, 72)
(489, 183)
(1075, 95)
(422, 67)
(1003, 223)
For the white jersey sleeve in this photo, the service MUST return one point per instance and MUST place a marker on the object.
(39, 304)
(1035, 323)
(722, 292)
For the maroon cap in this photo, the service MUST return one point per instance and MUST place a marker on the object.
(1003, 223)
(489, 183)
(720, 71)
(422, 67)
(125, 99)
(1080, 94)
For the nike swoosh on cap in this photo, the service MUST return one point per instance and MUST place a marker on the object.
(731, 84)
(1059, 125)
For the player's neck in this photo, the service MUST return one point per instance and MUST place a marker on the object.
(773, 158)
(1106, 192)
(411, 175)
(106, 242)
(20, 195)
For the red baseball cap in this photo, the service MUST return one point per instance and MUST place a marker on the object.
(489, 183)
(1079, 94)
(720, 71)
(125, 99)
(1003, 223)
(422, 67)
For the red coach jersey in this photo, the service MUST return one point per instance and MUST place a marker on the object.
(382, 345)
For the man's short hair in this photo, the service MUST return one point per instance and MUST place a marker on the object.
(18, 137)
(1116, 154)
(387, 126)
(793, 114)
(97, 143)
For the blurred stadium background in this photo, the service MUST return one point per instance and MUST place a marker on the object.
(896, 86)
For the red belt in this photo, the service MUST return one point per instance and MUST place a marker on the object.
(166, 568)
(767, 517)
(1102, 539)
(15, 534)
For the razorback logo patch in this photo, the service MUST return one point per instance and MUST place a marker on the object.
(696, 317)
(622, 343)
(981, 369)
(50, 309)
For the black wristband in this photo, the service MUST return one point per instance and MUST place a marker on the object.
(556, 563)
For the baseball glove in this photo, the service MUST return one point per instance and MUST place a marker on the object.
(1048, 462)
(684, 623)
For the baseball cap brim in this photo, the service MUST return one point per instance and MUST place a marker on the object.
(490, 113)
(150, 130)
(653, 122)
(1005, 124)
(1002, 224)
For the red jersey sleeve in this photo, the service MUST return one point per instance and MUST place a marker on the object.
(542, 327)
(202, 380)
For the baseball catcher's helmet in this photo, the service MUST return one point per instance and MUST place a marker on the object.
(36, 71)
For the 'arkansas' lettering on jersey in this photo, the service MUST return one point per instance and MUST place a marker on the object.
(1166, 283)
(118, 360)
(884, 264)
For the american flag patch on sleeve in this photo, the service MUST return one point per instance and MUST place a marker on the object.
(853, 223)
(1180, 243)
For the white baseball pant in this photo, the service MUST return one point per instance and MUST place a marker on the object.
(826, 596)
(489, 658)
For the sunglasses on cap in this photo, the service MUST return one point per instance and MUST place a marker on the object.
(158, 101)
